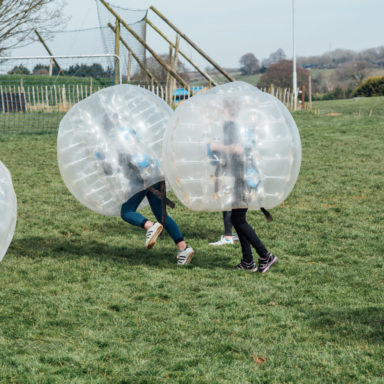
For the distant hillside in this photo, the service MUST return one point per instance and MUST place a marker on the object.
(339, 68)
(333, 59)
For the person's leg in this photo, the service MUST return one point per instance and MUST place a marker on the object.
(170, 225)
(128, 210)
(227, 238)
(185, 254)
(228, 233)
(239, 221)
(227, 224)
(129, 214)
(248, 236)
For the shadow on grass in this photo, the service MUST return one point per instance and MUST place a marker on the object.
(72, 249)
(162, 256)
(363, 323)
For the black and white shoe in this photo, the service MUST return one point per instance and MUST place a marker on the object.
(152, 234)
(265, 264)
(185, 256)
(248, 266)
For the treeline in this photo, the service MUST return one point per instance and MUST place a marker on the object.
(94, 70)
(337, 57)
(372, 57)
(336, 74)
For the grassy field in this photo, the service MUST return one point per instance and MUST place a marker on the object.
(30, 122)
(82, 301)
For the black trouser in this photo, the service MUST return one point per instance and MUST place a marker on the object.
(247, 235)
(227, 223)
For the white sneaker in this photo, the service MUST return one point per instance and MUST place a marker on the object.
(235, 237)
(223, 241)
(152, 235)
(185, 256)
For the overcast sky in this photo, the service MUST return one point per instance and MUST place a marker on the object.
(228, 29)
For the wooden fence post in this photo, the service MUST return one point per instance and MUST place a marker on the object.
(2, 99)
(64, 98)
(47, 97)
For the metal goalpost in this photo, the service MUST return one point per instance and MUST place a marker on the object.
(36, 91)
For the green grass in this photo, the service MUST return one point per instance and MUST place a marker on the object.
(251, 79)
(82, 301)
(30, 122)
(356, 109)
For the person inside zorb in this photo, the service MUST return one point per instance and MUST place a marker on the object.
(138, 167)
(109, 154)
(236, 167)
(233, 148)
(234, 161)
(133, 160)
(8, 209)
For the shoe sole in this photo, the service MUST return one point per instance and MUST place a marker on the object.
(155, 235)
(247, 270)
(269, 265)
(189, 258)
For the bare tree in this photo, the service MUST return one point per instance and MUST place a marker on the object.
(19, 19)
(160, 72)
(249, 64)
(352, 73)
(274, 58)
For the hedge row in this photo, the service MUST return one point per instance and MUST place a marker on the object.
(373, 86)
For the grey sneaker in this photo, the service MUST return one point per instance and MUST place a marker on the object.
(185, 256)
(265, 264)
(152, 235)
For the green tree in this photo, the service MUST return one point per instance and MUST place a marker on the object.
(19, 70)
(95, 70)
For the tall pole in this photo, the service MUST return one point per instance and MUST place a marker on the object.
(310, 89)
(294, 75)
(117, 51)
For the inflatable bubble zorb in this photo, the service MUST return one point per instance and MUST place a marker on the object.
(8, 210)
(232, 147)
(109, 146)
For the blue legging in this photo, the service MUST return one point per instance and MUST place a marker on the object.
(129, 214)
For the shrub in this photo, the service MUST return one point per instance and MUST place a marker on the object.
(373, 86)
(337, 94)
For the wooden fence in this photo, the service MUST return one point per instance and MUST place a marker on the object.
(285, 95)
(44, 98)
(60, 98)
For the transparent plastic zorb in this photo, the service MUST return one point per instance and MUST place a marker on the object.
(232, 147)
(109, 146)
(8, 210)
